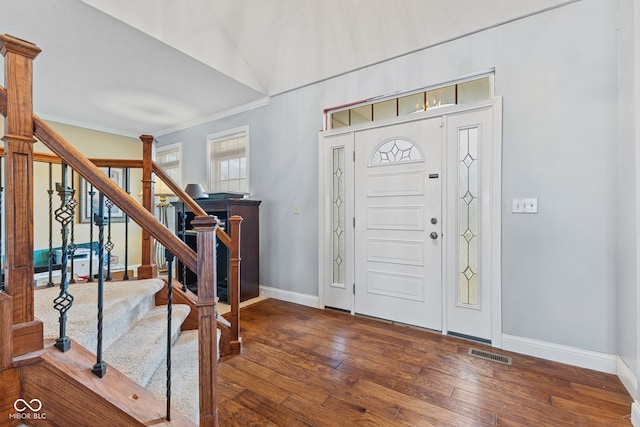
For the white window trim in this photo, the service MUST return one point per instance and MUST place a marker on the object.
(222, 135)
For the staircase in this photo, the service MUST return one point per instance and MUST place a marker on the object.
(31, 365)
(134, 336)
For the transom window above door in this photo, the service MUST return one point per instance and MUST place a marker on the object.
(383, 108)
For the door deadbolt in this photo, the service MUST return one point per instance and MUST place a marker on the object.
(434, 235)
(434, 221)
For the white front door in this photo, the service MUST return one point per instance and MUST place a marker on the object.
(410, 229)
(398, 199)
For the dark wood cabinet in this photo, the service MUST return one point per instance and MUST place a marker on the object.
(249, 244)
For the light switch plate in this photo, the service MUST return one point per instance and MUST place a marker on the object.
(522, 205)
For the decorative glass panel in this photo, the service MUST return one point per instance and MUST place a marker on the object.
(468, 216)
(474, 90)
(469, 91)
(395, 150)
(362, 114)
(385, 110)
(338, 208)
(441, 97)
(340, 119)
(410, 104)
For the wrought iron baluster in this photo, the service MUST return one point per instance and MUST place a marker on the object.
(100, 368)
(169, 258)
(109, 245)
(64, 301)
(184, 239)
(50, 192)
(126, 228)
(73, 203)
(91, 222)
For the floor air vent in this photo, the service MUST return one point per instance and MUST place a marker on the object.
(490, 356)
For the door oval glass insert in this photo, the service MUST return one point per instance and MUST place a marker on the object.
(395, 150)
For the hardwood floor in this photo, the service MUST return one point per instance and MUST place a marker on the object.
(306, 367)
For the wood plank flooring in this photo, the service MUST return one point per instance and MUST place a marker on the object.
(306, 367)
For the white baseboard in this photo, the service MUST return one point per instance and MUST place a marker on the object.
(602, 362)
(635, 414)
(290, 296)
(627, 377)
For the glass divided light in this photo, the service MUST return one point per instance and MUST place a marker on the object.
(459, 93)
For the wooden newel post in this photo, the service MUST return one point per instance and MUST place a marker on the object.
(6, 332)
(234, 285)
(205, 227)
(147, 267)
(18, 173)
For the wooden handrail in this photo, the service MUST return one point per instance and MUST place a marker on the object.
(178, 191)
(89, 171)
(115, 163)
(187, 200)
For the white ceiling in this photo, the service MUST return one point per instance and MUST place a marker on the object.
(151, 66)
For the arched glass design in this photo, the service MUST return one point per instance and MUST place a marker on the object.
(394, 151)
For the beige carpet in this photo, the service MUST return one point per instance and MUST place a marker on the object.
(125, 303)
(130, 305)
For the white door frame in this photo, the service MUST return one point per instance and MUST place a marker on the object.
(491, 191)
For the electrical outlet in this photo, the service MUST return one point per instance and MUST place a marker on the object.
(522, 205)
(296, 209)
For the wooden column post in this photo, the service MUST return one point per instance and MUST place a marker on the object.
(148, 268)
(234, 285)
(205, 227)
(18, 145)
(6, 332)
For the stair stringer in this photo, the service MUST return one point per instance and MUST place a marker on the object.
(72, 395)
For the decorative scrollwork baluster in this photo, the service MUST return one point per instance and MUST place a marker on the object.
(72, 203)
(64, 301)
(109, 245)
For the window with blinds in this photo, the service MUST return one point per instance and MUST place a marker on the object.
(168, 158)
(228, 160)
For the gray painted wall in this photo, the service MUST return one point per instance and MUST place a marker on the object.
(558, 75)
(627, 321)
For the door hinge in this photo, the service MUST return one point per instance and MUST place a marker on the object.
(354, 155)
(354, 222)
(354, 288)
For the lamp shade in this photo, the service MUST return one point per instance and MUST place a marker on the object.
(195, 191)
(162, 190)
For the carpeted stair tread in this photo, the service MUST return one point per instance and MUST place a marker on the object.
(140, 351)
(125, 302)
(184, 376)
